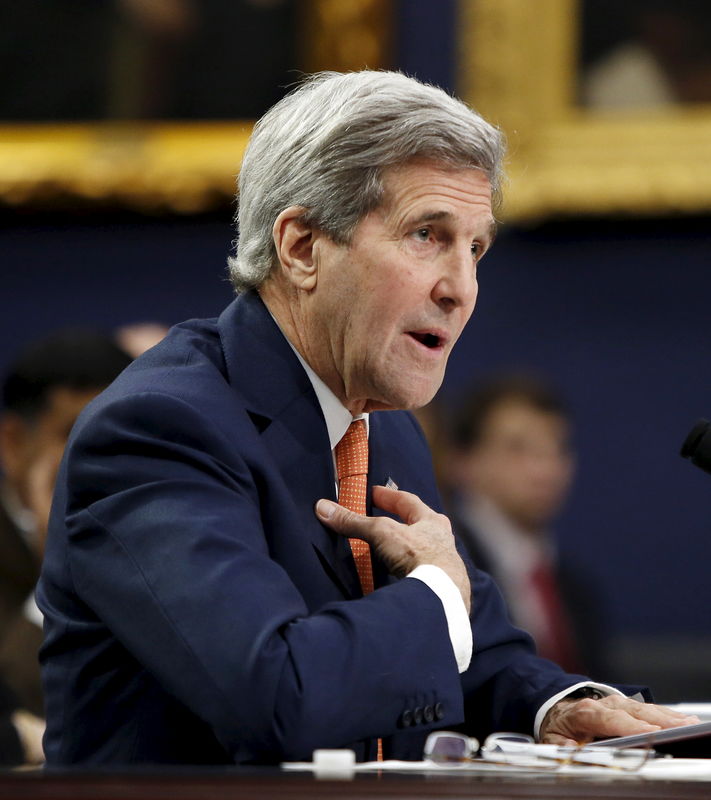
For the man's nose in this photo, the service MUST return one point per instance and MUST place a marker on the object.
(456, 285)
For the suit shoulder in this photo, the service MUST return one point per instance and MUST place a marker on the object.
(184, 365)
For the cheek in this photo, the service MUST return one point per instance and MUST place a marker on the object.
(461, 324)
(469, 308)
(564, 478)
(383, 308)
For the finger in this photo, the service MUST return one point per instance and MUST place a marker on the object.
(650, 712)
(594, 719)
(585, 720)
(658, 715)
(346, 522)
(620, 723)
(406, 505)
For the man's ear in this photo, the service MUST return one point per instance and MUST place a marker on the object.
(293, 240)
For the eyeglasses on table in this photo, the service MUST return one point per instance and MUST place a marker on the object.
(518, 750)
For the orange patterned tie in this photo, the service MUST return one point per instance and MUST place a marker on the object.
(352, 467)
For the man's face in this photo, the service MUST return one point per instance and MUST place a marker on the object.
(388, 308)
(523, 463)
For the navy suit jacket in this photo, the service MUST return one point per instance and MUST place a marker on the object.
(196, 611)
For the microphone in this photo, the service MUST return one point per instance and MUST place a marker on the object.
(697, 445)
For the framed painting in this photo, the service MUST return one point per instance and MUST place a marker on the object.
(521, 65)
(171, 165)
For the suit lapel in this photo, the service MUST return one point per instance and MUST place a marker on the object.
(279, 397)
(399, 454)
(298, 443)
(380, 467)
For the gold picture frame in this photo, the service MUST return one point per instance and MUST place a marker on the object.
(517, 66)
(174, 166)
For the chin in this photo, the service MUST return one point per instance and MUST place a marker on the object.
(408, 395)
(411, 399)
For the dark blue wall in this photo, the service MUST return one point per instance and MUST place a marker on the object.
(108, 273)
(617, 315)
(425, 40)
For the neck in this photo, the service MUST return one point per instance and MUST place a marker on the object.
(298, 327)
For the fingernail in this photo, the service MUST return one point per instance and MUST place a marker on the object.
(325, 508)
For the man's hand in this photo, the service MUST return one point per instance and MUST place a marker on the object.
(423, 537)
(572, 722)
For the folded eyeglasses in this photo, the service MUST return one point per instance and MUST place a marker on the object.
(518, 750)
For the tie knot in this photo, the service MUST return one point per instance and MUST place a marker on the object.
(352, 451)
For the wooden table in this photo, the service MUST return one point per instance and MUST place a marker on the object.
(264, 783)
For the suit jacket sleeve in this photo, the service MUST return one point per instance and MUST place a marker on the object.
(172, 555)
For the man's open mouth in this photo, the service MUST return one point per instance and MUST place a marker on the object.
(430, 340)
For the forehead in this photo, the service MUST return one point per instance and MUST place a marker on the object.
(429, 187)
(516, 417)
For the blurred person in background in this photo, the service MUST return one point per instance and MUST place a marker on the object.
(511, 469)
(137, 337)
(43, 392)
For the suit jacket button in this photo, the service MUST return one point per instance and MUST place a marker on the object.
(419, 716)
(429, 714)
(439, 711)
(406, 718)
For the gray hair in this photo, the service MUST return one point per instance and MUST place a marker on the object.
(326, 145)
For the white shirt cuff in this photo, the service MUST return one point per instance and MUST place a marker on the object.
(545, 708)
(460, 629)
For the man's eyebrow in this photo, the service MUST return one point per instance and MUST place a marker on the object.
(431, 216)
(434, 216)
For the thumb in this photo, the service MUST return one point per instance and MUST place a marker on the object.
(406, 505)
(343, 521)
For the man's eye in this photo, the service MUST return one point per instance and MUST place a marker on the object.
(422, 234)
(476, 250)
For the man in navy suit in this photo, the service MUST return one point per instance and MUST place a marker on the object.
(200, 595)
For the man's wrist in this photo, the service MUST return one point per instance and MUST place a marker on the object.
(585, 692)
